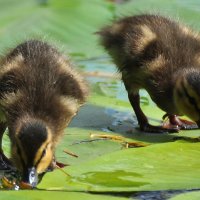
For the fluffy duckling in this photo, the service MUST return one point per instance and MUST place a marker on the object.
(40, 93)
(163, 57)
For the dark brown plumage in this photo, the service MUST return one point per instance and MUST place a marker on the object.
(40, 93)
(162, 56)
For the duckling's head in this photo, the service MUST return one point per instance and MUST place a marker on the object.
(32, 151)
(187, 94)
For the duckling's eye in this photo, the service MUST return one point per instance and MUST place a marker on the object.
(43, 153)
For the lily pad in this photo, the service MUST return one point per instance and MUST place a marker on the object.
(187, 196)
(103, 165)
(46, 195)
(166, 166)
(71, 23)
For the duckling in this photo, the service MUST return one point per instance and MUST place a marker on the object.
(40, 93)
(162, 56)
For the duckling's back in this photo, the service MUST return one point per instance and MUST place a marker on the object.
(150, 51)
(139, 39)
(38, 82)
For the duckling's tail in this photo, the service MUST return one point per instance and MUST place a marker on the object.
(110, 35)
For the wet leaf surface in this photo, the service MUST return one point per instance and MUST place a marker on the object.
(173, 165)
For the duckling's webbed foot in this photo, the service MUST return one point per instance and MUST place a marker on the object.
(158, 129)
(174, 120)
(143, 121)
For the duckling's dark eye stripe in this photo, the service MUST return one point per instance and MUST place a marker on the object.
(42, 155)
(191, 99)
(38, 161)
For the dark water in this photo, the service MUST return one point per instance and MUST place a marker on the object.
(159, 195)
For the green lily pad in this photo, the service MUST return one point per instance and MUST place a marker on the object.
(103, 165)
(166, 166)
(187, 196)
(67, 22)
(185, 11)
(47, 195)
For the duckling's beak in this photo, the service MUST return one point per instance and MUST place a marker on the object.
(30, 177)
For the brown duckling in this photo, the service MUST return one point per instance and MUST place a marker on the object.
(40, 93)
(161, 56)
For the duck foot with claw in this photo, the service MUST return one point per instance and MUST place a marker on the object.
(143, 121)
(175, 121)
(158, 129)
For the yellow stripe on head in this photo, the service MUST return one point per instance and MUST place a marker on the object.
(186, 99)
(44, 155)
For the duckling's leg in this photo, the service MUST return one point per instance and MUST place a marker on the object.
(5, 163)
(183, 124)
(142, 119)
